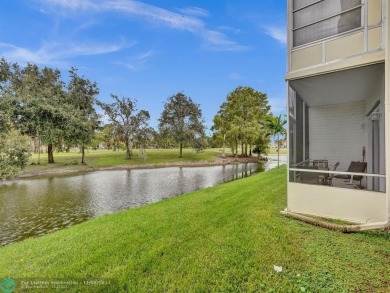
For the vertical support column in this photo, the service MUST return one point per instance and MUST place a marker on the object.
(289, 32)
(387, 101)
(304, 130)
(365, 24)
(288, 132)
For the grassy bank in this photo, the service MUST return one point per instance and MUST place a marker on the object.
(226, 238)
(274, 151)
(108, 158)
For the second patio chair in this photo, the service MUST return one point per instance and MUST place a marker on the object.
(355, 167)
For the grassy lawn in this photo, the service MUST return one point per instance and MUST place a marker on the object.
(106, 158)
(222, 239)
(274, 151)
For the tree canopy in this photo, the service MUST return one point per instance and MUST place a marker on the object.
(14, 153)
(239, 119)
(126, 121)
(81, 94)
(38, 103)
(182, 121)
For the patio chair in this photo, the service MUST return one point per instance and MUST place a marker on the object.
(321, 164)
(309, 177)
(354, 167)
(327, 180)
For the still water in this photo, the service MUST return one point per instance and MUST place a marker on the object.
(34, 207)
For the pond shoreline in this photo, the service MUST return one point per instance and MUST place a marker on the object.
(218, 161)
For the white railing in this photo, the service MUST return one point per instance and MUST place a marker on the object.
(337, 172)
(350, 175)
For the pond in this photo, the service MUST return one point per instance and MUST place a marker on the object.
(33, 207)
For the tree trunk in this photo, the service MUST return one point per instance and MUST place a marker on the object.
(242, 148)
(246, 150)
(223, 146)
(278, 150)
(67, 149)
(128, 152)
(236, 148)
(181, 151)
(250, 150)
(82, 154)
(39, 150)
(50, 158)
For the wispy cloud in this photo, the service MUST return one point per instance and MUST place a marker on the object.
(138, 61)
(85, 26)
(194, 11)
(162, 17)
(218, 41)
(277, 32)
(56, 53)
(235, 76)
(230, 29)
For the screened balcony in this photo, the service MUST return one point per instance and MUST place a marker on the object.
(337, 129)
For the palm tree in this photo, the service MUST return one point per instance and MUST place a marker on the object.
(275, 127)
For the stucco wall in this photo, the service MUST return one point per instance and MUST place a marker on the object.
(352, 205)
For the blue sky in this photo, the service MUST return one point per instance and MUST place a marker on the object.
(149, 50)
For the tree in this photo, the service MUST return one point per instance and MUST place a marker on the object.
(58, 112)
(220, 128)
(39, 105)
(182, 120)
(261, 145)
(143, 138)
(275, 127)
(110, 136)
(14, 153)
(35, 99)
(14, 147)
(124, 119)
(81, 95)
(239, 119)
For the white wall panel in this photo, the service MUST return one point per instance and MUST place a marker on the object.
(338, 133)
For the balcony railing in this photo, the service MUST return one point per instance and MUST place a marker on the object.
(343, 179)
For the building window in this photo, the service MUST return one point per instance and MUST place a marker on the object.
(314, 20)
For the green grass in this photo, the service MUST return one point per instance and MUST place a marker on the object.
(221, 239)
(274, 151)
(108, 158)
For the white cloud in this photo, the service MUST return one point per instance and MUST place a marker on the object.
(194, 11)
(137, 61)
(235, 76)
(72, 4)
(152, 14)
(277, 32)
(218, 41)
(149, 12)
(85, 26)
(146, 55)
(56, 53)
(230, 29)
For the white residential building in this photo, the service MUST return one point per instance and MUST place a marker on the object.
(338, 107)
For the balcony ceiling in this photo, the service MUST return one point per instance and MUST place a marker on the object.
(345, 86)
